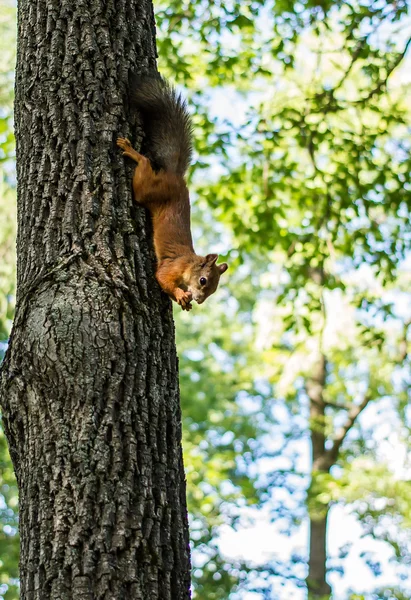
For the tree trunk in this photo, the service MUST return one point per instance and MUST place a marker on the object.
(89, 386)
(317, 560)
(316, 582)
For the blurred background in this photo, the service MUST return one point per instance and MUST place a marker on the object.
(295, 376)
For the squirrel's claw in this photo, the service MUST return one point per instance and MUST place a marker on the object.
(123, 143)
(184, 299)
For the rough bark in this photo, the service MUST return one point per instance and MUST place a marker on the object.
(317, 560)
(89, 386)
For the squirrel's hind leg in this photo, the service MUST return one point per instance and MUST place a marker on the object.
(143, 174)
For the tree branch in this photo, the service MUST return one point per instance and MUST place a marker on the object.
(336, 405)
(353, 413)
(403, 349)
(383, 82)
(331, 455)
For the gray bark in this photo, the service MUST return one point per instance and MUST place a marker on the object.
(89, 385)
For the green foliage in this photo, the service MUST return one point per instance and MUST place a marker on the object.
(7, 62)
(313, 187)
(384, 594)
(7, 257)
(9, 542)
(7, 194)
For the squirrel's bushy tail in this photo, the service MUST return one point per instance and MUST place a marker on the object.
(166, 121)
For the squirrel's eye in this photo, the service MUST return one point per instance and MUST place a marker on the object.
(203, 280)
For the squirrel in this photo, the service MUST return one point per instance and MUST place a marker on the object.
(159, 185)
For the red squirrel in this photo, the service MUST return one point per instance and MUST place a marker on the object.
(181, 273)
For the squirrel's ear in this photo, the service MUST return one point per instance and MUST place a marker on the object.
(223, 268)
(211, 259)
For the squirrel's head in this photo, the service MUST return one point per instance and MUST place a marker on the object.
(203, 277)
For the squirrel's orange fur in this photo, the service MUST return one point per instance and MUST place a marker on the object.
(181, 273)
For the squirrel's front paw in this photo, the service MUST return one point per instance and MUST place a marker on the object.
(124, 143)
(184, 299)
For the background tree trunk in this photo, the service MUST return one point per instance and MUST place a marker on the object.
(317, 559)
(89, 386)
(317, 564)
